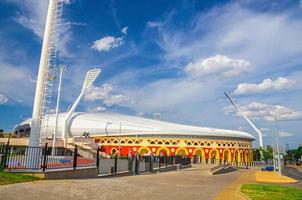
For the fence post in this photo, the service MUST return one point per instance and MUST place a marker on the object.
(115, 164)
(136, 164)
(159, 162)
(98, 157)
(75, 157)
(5, 157)
(151, 163)
(166, 161)
(44, 165)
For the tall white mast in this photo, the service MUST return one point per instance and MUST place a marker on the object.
(45, 74)
(39, 95)
(247, 119)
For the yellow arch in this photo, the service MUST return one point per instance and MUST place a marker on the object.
(246, 156)
(163, 148)
(201, 150)
(217, 153)
(181, 149)
(144, 148)
(238, 155)
(114, 149)
(229, 158)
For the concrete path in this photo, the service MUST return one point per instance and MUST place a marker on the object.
(247, 177)
(233, 190)
(187, 184)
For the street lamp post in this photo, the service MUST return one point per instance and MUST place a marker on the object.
(278, 150)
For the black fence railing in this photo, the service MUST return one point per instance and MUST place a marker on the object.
(42, 158)
(45, 158)
(140, 164)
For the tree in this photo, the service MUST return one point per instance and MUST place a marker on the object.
(256, 154)
(267, 153)
(294, 154)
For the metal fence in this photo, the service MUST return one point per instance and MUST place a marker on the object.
(140, 164)
(42, 158)
(45, 158)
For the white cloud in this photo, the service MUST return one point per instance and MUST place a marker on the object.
(152, 24)
(104, 93)
(15, 83)
(219, 65)
(3, 99)
(125, 30)
(114, 99)
(266, 85)
(98, 93)
(256, 110)
(107, 43)
(285, 134)
(167, 95)
(96, 109)
(264, 130)
(33, 15)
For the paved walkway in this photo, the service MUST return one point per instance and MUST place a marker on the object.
(232, 191)
(187, 184)
(249, 177)
(273, 177)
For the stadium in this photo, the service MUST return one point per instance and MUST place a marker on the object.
(123, 135)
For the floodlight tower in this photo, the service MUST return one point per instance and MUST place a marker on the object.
(46, 72)
(247, 119)
(89, 79)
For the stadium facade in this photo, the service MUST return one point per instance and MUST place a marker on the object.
(122, 135)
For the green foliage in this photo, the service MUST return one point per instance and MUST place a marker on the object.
(256, 154)
(294, 154)
(271, 192)
(1, 130)
(267, 153)
(9, 178)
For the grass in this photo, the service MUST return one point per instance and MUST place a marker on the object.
(271, 192)
(9, 178)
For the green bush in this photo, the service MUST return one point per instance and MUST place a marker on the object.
(1, 168)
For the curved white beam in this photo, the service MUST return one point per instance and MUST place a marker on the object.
(247, 119)
(91, 75)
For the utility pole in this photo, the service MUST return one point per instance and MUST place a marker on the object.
(274, 153)
(57, 110)
(278, 150)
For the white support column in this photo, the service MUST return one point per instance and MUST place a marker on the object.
(34, 138)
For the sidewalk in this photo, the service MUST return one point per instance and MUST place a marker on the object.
(273, 177)
(233, 190)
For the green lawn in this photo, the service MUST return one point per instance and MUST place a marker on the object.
(271, 192)
(9, 178)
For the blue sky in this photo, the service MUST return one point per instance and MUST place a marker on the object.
(172, 57)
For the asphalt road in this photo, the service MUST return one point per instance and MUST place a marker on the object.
(292, 172)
